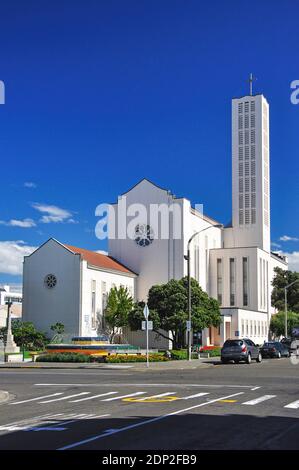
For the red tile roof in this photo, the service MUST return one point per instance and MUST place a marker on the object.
(100, 260)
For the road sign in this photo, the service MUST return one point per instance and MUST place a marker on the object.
(146, 311)
(188, 325)
(149, 326)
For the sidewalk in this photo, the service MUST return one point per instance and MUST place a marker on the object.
(194, 364)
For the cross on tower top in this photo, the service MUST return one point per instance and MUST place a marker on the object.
(251, 80)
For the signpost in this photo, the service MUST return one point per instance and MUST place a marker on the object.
(146, 314)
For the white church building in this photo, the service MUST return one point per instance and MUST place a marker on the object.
(149, 229)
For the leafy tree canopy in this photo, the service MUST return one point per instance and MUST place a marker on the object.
(26, 335)
(281, 279)
(168, 305)
(119, 304)
(277, 325)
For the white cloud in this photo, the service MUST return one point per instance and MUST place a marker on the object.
(29, 184)
(286, 238)
(293, 259)
(275, 245)
(12, 254)
(53, 214)
(25, 223)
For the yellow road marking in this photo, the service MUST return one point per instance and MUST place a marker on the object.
(227, 401)
(151, 400)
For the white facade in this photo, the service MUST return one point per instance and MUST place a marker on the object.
(78, 296)
(233, 264)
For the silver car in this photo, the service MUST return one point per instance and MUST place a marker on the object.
(238, 350)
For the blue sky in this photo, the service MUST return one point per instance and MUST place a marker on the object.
(100, 94)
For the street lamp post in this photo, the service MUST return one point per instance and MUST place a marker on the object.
(286, 305)
(187, 258)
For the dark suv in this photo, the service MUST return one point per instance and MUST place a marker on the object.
(240, 350)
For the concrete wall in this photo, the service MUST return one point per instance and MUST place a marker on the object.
(44, 306)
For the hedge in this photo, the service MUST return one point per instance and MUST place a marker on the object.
(215, 352)
(154, 357)
(63, 357)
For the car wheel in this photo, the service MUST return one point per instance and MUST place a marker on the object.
(248, 360)
(224, 361)
(259, 358)
(236, 361)
(278, 355)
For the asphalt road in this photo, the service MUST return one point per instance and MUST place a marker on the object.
(218, 407)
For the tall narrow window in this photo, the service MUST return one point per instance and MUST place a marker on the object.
(219, 280)
(245, 282)
(232, 281)
(196, 262)
(93, 304)
(104, 302)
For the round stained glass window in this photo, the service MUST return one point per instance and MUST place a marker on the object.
(144, 235)
(50, 281)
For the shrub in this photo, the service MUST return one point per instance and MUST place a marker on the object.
(215, 351)
(120, 358)
(63, 357)
(179, 354)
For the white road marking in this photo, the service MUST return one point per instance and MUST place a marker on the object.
(124, 396)
(159, 396)
(112, 385)
(256, 401)
(93, 396)
(34, 399)
(98, 416)
(65, 398)
(39, 423)
(195, 396)
(294, 405)
(143, 423)
(255, 388)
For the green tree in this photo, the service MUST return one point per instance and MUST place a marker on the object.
(58, 328)
(119, 304)
(168, 305)
(277, 325)
(26, 335)
(281, 279)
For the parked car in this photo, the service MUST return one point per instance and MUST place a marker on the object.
(240, 350)
(275, 349)
(287, 342)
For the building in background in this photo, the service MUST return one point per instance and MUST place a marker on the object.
(10, 294)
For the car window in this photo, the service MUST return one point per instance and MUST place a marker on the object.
(232, 342)
(249, 342)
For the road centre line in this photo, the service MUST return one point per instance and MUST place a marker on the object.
(140, 385)
(143, 423)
